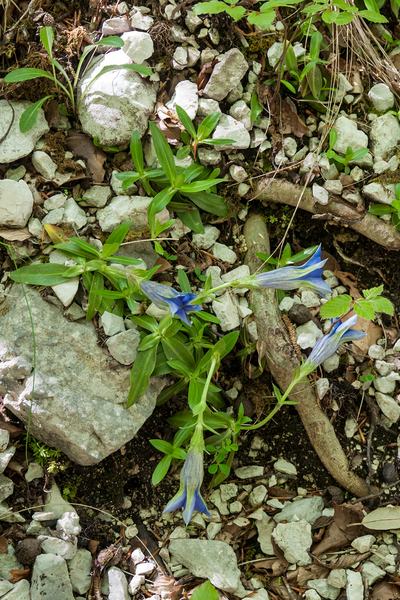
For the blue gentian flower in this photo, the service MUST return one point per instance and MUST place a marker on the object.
(164, 296)
(327, 345)
(188, 496)
(291, 278)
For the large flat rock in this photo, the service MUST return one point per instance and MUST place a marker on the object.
(79, 391)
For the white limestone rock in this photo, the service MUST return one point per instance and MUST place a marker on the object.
(18, 144)
(230, 129)
(43, 164)
(295, 540)
(185, 96)
(127, 208)
(16, 202)
(349, 135)
(384, 135)
(226, 75)
(226, 311)
(123, 346)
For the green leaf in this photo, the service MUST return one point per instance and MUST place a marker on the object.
(208, 125)
(373, 292)
(382, 305)
(256, 108)
(161, 470)
(359, 153)
(315, 81)
(137, 152)
(380, 209)
(146, 322)
(164, 153)
(175, 350)
(183, 152)
(95, 299)
(209, 8)
(237, 12)
(364, 309)
(78, 248)
(212, 469)
(342, 18)
(26, 75)
(195, 392)
(315, 44)
(336, 307)
(332, 138)
(224, 468)
(46, 274)
(184, 282)
(205, 316)
(210, 203)
(30, 115)
(162, 446)
(167, 394)
(47, 37)
(290, 59)
(140, 374)
(372, 16)
(263, 20)
(205, 592)
(149, 341)
(199, 186)
(115, 239)
(113, 40)
(185, 120)
(191, 219)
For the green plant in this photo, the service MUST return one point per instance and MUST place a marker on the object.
(30, 115)
(392, 209)
(192, 138)
(43, 453)
(373, 302)
(183, 190)
(340, 161)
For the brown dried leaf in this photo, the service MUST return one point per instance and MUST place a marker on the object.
(163, 265)
(385, 591)
(273, 567)
(17, 575)
(15, 235)
(287, 119)
(348, 279)
(342, 531)
(205, 73)
(92, 546)
(13, 430)
(374, 333)
(277, 492)
(83, 146)
(342, 561)
(300, 576)
(3, 545)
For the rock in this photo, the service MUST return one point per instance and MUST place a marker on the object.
(50, 578)
(306, 509)
(131, 531)
(56, 201)
(69, 523)
(5, 586)
(376, 352)
(54, 217)
(283, 466)
(43, 164)
(145, 568)
(116, 185)
(115, 105)
(97, 195)
(34, 471)
(388, 406)
(8, 562)
(384, 135)
(310, 299)
(207, 106)
(275, 52)
(324, 589)
(138, 46)
(142, 22)
(349, 135)
(17, 144)
(350, 427)
(249, 472)
(322, 386)
(295, 540)
(331, 363)
(115, 26)
(354, 585)
(74, 214)
(66, 291)
(311, 595)
(64, 548)
(135, 583)
(185, 96)
(20, 591)
(241, 112)
(128, 208)
(118, 585)
(4, 439)
(230, 129)
(236, 275)
(226, 311)
(89, 430)
(208, 238)
(265, 529)
(372, 572)
(6, 487)
(320, 194)
(334, 186)
(212, 560)
(215, 498)
(7, 515)
(376, 192)
(79, 571)
(223, 253)
(308, 334)
(209, 156)
(16, 202)
(226, 75)
(385, 385)
(238, 174)
(363, 544)
(337, 578)
(258, 495)
(228, 491)
(123, 346)
(298, 313)
(74, 312)
(213, 530)
(5, 457)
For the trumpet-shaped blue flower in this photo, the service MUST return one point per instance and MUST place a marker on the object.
(291, 278)
(188, 496)
(327, 345)
(164, 296)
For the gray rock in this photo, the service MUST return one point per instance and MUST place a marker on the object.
(5, 586)
(223, 253)
(310, 299)
(388, 406)
(138, 46)
(265, 529)
(142, 22)
(74, 214)
(230, 129)
(208, 238)
(5, 457)
(17, 144)
(275, 52)
(206, 107)
(115, 26)
(311, 595)
(135, 583)
(226, 75)
(128, 208)
(112, 324)
(228, 491)
(55, 505)
(74, 312)
(66, 291)
(4, 439)
(185, 96)
(283, 466)
(307, 509)
(56, 201)
(363, 544)
(337, 578)
(16, 203)
(322, 386)
(241, 112)
(97, 195)
(7, 515)
(212, 560)
(354, 585)
(320, 194)
(6, 487)
(376, 192)
(334, 187)
(43, 164)
(79, 571)
(69, 523)
(16, 174)
(116, 185)
(249, 472)
(89, 430)
(349, 135)
(209, 156)
(50, 578)
(331, 363)
(34, 471)
(384, 368)
(213, 530)
(308, 334)
(226, 311)
(20, 591)
(54, 217)
(385, 385)
(60, 547)
(238, 173)
(324, 589)
(258, 495)
(376, 352)
(372, 572)
(123, 346)
(298, 313)
(295, 540)
(384, 135)
(116, 104)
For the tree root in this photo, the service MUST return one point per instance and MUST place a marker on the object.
(281, 358)
(284, 192)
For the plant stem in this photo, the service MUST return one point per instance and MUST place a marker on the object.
(275, 409)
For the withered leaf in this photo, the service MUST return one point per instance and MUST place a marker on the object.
(13, 430)
(277, 492)
(383, 519)
(385, 591)
(342, 561)
(205, 73)
(300, 576)
(345, 528)
(287, 119)
(15, 235)
(3, 545)
(92, 546)
(273, 567)
(83, 146)
(17, 575)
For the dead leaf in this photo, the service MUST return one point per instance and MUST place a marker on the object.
(348, 279)
(385, 591)
(83, 147)
(163, 265)
(300, 576)
(17, 575)
(205, 73)
(383, 519)
(13, 430)
(277, 492)
(374, 333)
(52, 113)
(92, 546)
(287, 119)
(3, 545)
(273, 567)
(169, 125)
(342, 561)
(15, 235)
(340, 534)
